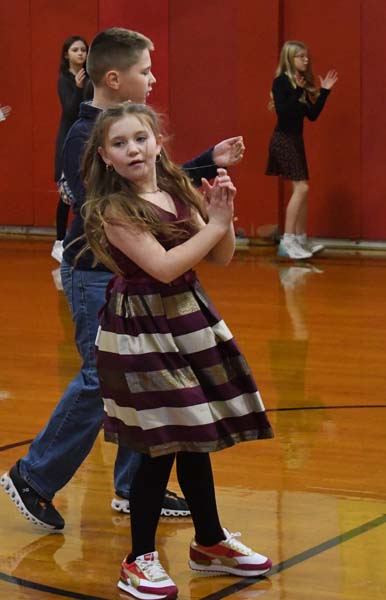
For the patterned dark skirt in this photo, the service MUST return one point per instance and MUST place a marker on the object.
(172, 377)
(287, 156)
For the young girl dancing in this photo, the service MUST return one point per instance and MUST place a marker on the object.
(73, 87)
(174, 383)
(295, 97)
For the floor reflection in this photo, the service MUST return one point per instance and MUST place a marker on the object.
(288, 364)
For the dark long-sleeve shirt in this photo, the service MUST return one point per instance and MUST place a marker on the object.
(290, 111)
(70, 96)
(74, 148)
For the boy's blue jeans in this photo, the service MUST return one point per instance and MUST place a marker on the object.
(61, 447)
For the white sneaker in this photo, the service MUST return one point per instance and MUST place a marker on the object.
(121, 505)
(57, 251)
(172, 505)
(314, 248)
(146, 579)
(292, 249)
(307, 245)
(228, 556)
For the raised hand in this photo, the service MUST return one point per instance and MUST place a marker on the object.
(229, 152)
(329, 80)
(79, 78)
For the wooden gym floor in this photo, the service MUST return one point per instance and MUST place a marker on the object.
(313, 498)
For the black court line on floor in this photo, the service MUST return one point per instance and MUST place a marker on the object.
(321, 407)
(231, 589)
(15, 445)
(284, 409)
(47, 588)
(299, 558)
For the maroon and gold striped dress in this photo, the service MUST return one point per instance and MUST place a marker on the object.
(172, 376)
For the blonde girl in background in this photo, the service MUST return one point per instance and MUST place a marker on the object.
(294, 97)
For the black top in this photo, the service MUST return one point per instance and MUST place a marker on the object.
(290, 111)
(74, 147)
(70, 96)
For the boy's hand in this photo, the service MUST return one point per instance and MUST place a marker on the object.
(229, 152)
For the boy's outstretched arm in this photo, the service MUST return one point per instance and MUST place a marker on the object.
(224, 154)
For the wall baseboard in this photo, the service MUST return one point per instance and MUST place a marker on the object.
(330, 243)
(27, 230)
(241, 242)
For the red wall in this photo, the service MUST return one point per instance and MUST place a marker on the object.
(31, 37)
(16, 170)
(373, 120)
(333, 141)
(257, 49)
(214, 68)
(152, 19)
(50, 23)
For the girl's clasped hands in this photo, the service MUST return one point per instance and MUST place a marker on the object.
(219, 199)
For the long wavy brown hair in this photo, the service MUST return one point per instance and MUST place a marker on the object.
(110, 194)
(286, 66)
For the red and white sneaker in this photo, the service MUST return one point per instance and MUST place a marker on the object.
(146, 579)
(228, 556)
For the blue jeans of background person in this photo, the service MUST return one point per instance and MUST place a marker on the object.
(60, 448)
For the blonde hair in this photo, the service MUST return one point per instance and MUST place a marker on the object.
(106, 189)
(286, 67)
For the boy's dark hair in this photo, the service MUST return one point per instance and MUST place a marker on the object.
(115, 48)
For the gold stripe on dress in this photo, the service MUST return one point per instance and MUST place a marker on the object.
(125, 344)
(207, 446)
(232, 367)
(195, 341)
(162, 380)
(180, 305)
(138, 305)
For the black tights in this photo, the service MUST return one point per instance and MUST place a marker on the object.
(194, 472)
(62, 211)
